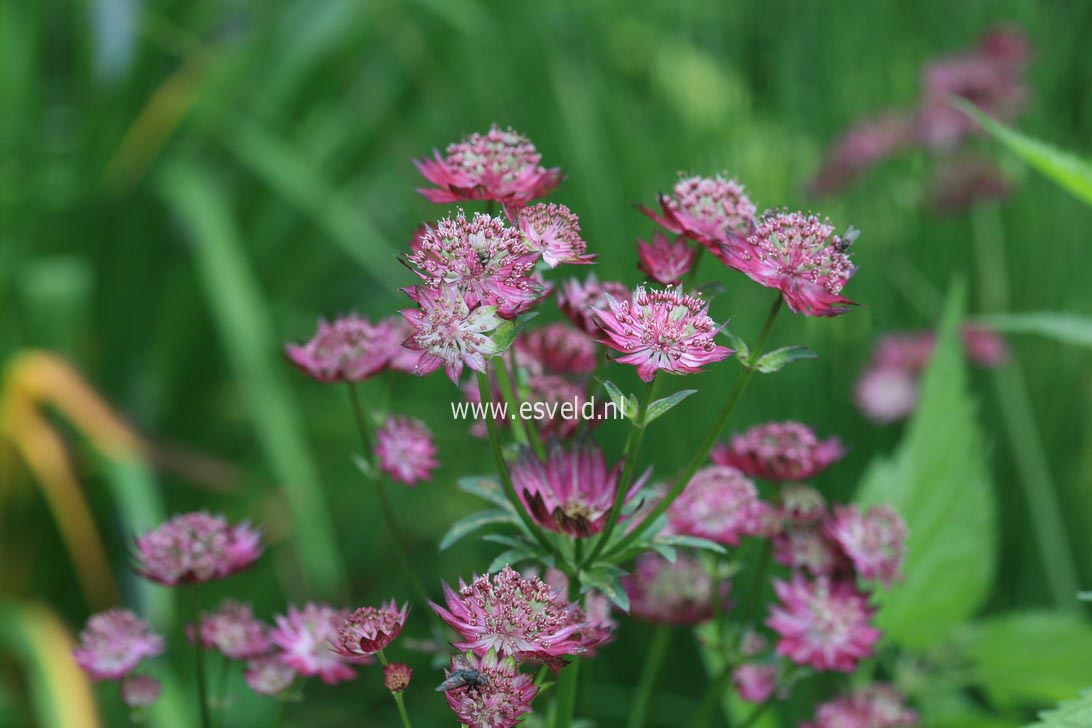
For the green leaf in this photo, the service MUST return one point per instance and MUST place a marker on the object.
(626, 405)
(1068, 328)
(474, 522)
(361, 463)
(606, 578)
(507, 558)
(938, 480)
(691, 542)
(506, 333)
(1070, 172)
(1071, 714)
(779, 358)
(1031, 657)
(738, 345)
(661, 406)
(485, 487)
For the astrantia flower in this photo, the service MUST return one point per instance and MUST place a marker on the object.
(140, 691)
(666, 330)
(875, 540)
(874, 706)
(579, 300)
(196, 547)
(501, 699)
(799, 255)
(307, 637)
(755, 683)
(500, 165)
(779, 452)
(269, 675)
(403, 358)
(369, 629)
(397, 676)
(862, 145)
(234, 632)
(349, 349)
(822, 623)
(484, 258)
(807, 548)
(984, 347)
(665, 261)
(886, 394)
(718, 504)
(802, 503)
(448, 332)
(553, 231)
(713, 211)
(511, 614)
(113, 643)
(682, 593)
(597, 612)
(572, 492)
(405, 449)
(556, 349)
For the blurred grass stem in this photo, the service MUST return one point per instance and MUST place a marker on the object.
(650, 672)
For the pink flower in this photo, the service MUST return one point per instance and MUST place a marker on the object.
(718, 504)
(350, 349)
(580, 300)
(799, 255)
(807, 548)
(874, 540)
(234, 632)
(755, 683)
(498, 699)
(113, 643)
(984, 347)
(680, 593)
(802, 504)
(448, 332)
(664, 261)
(403, 359)
(405, 450)
(886, 394)
(369, 630)
(864, 144)
(873, 706)
(556, 348)
(397, 676)
(307, 637)
(572, 492)
(483, 258)
(779, 452)
(196, 547)
(140, 691)
(665, 330)
(553, 231)
(713, 211)
(269, 675)
(822, 623)
(500, 165)
(512, 615)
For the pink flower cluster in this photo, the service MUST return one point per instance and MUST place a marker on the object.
(112, 645)
(196, 547)
(719, 504)
(873, 706)
(370, 629)
(348, 349)
(405, 450)
(488, 691)
(685, 592)
(779, 452)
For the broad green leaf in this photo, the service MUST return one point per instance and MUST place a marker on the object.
(779, 358)
(938, 480)
(1031, 657)
(506, 333)
(738, 345)
(474, 522)
(1068, 170)
(662, 406)
(484, 487)
(1068, 328)
(1071, 714)
(606, 579)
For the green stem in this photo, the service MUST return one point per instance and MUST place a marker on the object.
(711, 698)
(199, 661)
(566, 694)
(279, 720)
(397, 696)
(222, 689)
(711, 438)
(650, 672)
(754, 594)
(756, 714)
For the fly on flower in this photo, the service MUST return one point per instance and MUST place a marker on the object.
(463, 679)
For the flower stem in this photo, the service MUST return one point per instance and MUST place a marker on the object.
(756, 714)
(397, 696)
(654, 660)
(199, 661)
(566, 695)
(762, 570)
(702, 452)
(709, 700)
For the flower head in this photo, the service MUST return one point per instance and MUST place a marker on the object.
(113, 643)
(448, 332)
(369, 630)
(499, 697)
(984, 347)
(196, 547)
(234, 632)
(874, 540)
(553, 231)
(269, 675)
(405, 449)
(404, 359)
(886, 394)
(556, 348)
(140, 691)
(862, 145)
(579, 300)
(779, 452)
(755, 683)
(873, 706)
(713, 211)
(807, 548)
(665, 330)
(397, 676)
(307, 637)
(682, 593)
(500, 165)
(349, 349)
(802, 504)
(513, 615)
(665, 261)
(822, 623)
(718, 504)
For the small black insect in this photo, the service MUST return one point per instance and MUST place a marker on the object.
(463, 679)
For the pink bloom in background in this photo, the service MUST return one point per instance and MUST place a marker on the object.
(755, 683)
(886, 395)
(960, 183)
(718, 504)
(233, 631)
(513, 615)
(113, 643)
(874, 540)
(683, 593)
(269, 675)
(403, 359)
(484, 258)
(500, 165)
(809, 549)
(800, 255)
(984, 348)
(579, 300)
(369, 630)
(553, 231)
(713, 211)
(502, 699)
(596, 613)
(448, 332)
(802, 504)
(779, 452)
(397, 676)
(822, 623)
(572, 492)
(906, 350)
(140, 691)
(552, 392)
(196, 547)
(874, 706)
(405, 449)
(307, 637)
(665, 261)
(866, 143)
(556, 348)
(349, 349)
(661, 330)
